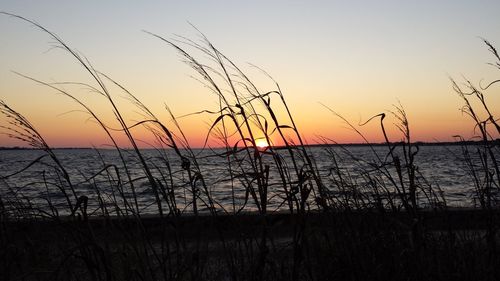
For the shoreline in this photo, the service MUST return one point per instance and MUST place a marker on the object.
(280, 224)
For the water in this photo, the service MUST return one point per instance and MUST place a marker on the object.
(355, 180)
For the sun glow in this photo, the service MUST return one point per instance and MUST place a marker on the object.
(261, 143)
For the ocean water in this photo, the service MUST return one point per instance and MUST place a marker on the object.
(355, 176)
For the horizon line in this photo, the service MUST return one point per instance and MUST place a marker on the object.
(423, 143)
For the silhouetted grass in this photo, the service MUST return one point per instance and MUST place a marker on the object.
(382, 221)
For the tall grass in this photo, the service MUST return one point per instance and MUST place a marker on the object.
(486, 173)
(481, 160)
(93, 225)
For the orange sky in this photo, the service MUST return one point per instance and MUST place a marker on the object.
(358, 59)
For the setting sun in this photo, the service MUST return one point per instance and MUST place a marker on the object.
(261, 143)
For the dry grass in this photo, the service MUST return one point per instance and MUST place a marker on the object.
(338, 226)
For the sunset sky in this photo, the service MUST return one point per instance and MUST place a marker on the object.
(356, 57)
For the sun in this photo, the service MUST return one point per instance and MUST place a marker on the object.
(261, 143)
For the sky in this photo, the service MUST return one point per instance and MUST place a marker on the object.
(358, 58)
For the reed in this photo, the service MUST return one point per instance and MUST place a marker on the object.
(292, 220)
(481, 161)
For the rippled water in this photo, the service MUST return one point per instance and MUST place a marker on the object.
(101, 176)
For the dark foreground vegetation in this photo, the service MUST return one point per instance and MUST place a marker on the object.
(358, 245)
(382, 221)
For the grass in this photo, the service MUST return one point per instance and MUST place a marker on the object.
(364, 224)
